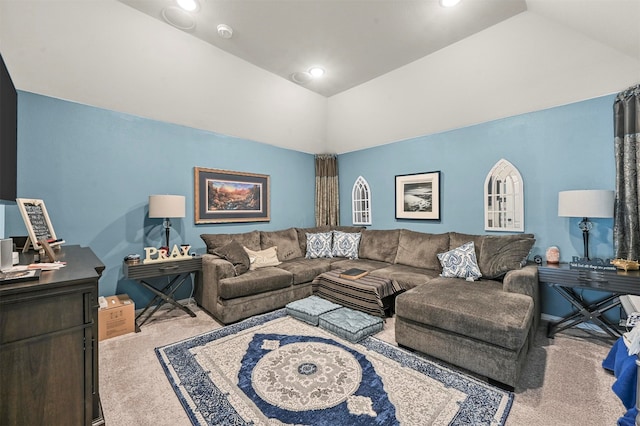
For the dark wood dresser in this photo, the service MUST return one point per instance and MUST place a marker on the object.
(49, 344)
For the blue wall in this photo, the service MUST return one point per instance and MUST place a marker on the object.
(563, 148)
(96, 168)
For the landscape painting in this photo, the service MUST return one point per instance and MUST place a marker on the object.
(226, 196)
(418, 196)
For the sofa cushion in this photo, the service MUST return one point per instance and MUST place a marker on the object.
(348, 229)
(263, 258)
(254, 282)
(500, 254)
(302, 235)
(405, 276)
(460, 263)
(457, 239)
(235, 254)
(420, 249)
(319, 245)
(305, 270)
(251, 240)
(381, 245)
(365, 264)
(480, 310)
(345, 244)
(286, 241)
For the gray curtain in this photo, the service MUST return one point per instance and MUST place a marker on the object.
(626, 126)
(327, 200)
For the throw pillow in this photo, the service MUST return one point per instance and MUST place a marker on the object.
(500, 254)
(318, 245)
(345, 244)
(263, 258)
(235, 254)
(460, 263)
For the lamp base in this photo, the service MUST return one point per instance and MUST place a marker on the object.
(585, 226)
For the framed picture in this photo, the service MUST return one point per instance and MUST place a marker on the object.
(418, 196)
(222, 196)
(36, 219)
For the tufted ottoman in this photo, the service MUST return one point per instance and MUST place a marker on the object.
(310, 308)
(350, 324)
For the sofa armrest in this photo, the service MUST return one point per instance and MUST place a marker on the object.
(214, 269)
(523, 281)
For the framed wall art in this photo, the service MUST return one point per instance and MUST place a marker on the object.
(223, 196)
(418, 196)
(39, 227)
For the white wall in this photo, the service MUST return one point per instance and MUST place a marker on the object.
(172, 77)
(468, 83)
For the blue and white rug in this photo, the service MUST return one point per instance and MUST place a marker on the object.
(275, 370)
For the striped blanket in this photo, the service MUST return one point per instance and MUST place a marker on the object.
(366, 294)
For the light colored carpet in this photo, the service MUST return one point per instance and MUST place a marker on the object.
(563, 382)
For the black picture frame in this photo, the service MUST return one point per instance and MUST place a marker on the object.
(418, 196)
(223, 196)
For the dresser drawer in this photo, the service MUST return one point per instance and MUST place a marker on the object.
(160, 269)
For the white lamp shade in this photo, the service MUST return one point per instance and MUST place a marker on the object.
(586, 203)
(166, 206)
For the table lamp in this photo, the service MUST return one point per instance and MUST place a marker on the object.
(166, 207)
(585, 204)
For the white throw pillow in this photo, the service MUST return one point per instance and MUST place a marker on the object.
(345, 244)
(460, 263)
(263, 258)
(318, 245)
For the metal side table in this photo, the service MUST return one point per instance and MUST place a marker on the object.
(177, 270)
(565, 280)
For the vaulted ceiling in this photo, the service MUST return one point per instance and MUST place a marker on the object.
(146, 57)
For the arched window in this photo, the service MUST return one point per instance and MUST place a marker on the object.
(361, 202)
(504, 198)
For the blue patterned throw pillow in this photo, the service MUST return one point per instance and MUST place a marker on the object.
(345, 244)
(460, 263)
(318, 245)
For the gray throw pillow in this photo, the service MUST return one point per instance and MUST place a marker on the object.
(500, 254)
(236, 255)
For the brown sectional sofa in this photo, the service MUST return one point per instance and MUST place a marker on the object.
(485, 326)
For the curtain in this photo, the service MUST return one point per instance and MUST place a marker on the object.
(626, 126)
(327, 200)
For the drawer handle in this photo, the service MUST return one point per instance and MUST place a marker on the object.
(168, 268)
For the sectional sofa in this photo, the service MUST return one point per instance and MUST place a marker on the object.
(479, 312)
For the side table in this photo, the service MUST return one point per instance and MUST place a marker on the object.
(565, 280)
(177, 270)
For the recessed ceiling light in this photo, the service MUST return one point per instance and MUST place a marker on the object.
(449, 3)
(316, 72)
(188, 5)
(301, 77)
(225, 31)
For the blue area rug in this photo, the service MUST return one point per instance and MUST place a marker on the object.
(275, 370)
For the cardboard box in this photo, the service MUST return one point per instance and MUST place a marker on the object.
(117, 318)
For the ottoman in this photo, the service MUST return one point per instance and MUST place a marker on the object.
(310, 308)
(350, 324)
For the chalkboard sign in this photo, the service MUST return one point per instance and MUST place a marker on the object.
(35, 216)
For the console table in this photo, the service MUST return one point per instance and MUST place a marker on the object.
(565, 281)
(49, 344)
(177, 270)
